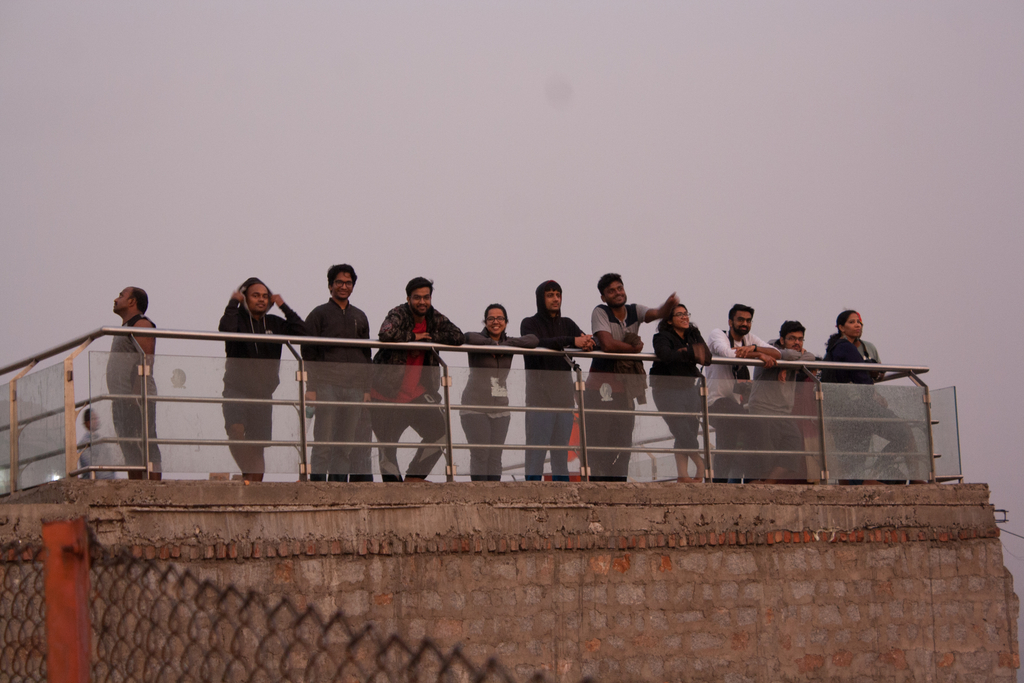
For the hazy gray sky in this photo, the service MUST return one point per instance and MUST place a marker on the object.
(798, 157)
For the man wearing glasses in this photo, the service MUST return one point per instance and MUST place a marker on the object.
(411, 378)
(729, 388)
(338, 374)
(774, 394)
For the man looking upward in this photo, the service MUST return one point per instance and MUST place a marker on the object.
(123, 378)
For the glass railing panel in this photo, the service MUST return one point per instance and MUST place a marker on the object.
(529, 414)
(408, 408)
(337, 402)
(5, 439)
(876, 433)
(194, 401)
(41, 427)
(681, 428)
(765, 430)
(946, 433)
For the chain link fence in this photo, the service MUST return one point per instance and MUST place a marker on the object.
(22, 613)
(154, 621)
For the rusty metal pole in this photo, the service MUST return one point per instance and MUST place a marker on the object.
(69, 642)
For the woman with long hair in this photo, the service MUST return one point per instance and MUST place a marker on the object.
(680, 348)
(853, 439)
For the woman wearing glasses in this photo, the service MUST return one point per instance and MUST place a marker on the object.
(486, 387)
(676, 387)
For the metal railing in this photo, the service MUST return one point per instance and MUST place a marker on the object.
(707, 419)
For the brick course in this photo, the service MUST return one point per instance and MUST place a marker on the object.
(894, 584)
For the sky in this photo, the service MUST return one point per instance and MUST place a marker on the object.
(798, 157)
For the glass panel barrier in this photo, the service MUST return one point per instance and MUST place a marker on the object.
(876, 433)
(40, 427)
(945, 433)
(336, 395)
(681, 429)
(194, 401)
(491, 428)
(765, 430)
(5, 439)
(405, 397)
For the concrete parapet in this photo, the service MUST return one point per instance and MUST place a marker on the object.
(650, 582)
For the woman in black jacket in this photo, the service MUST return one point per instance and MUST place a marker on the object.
(674, 383)
(486, 387)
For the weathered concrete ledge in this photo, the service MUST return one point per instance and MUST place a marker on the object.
(431, 517)
(625, 582)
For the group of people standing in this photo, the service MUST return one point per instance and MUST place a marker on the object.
(341, 388)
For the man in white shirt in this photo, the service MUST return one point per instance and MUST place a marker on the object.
(729, 388)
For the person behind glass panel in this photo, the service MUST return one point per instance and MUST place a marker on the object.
(486, 387)
(680, 348)
(549, 384)
(411, 378)
(252, 370)
(729, 388)
(339, 374)
(614, 384)
(123, 378)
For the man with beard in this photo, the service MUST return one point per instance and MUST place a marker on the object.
(774, 394)
(252, 370)
(729, 387)
(411, 377)
(123, 378)
(617, 385)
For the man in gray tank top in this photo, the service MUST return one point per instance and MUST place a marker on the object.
(123, 379)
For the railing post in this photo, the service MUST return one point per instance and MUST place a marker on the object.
(70, 442)
(708, 471)
(144, 372)
(819, 399)
(15, 436)
(927, 398)
(446, 384)
(302, 379)
(580, 392)
(69, 642)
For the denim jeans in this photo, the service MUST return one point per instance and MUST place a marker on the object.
(548, 429)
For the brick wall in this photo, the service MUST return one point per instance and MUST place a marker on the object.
(621, 582)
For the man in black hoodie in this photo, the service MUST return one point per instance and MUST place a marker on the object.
(257, 376)
(545, 389)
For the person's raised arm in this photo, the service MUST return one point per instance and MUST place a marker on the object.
(294, 325)
(229, 321)
(663, 311)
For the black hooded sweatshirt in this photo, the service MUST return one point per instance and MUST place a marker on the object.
(553, 332)
(256, 378)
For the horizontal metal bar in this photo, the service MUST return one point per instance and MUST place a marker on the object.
(372, 343)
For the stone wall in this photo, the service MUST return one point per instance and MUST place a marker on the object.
(622, 582)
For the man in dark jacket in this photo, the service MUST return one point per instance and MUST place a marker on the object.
(338, 374)
(252, 370)
(550, 430)
(411, 377)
